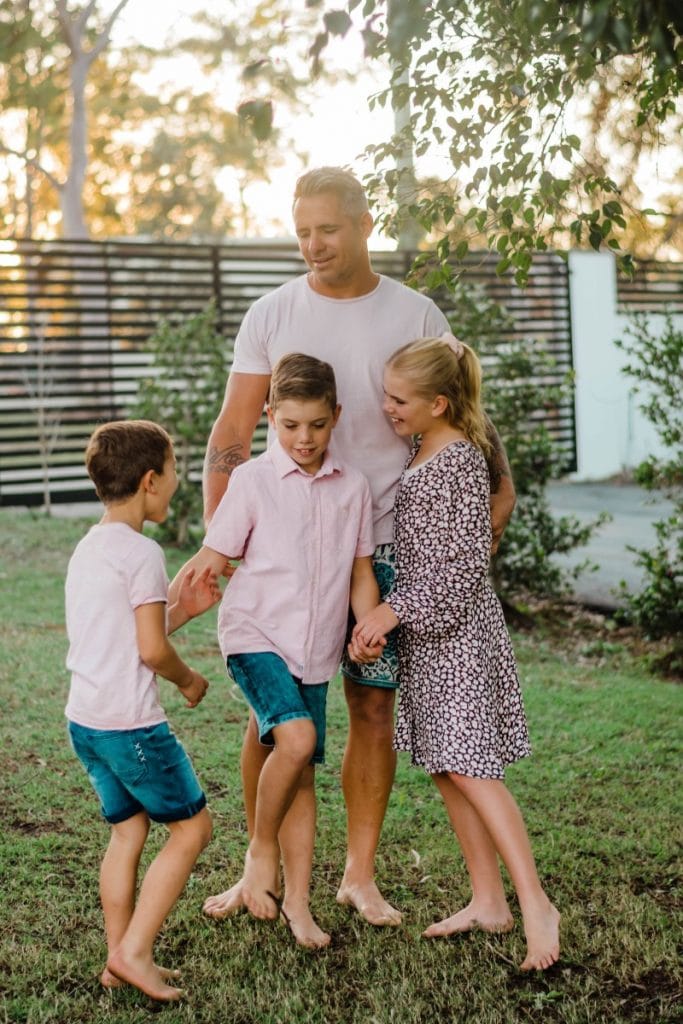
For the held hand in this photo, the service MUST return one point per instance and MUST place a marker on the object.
(362, 654)
(229, 570)
(374, 626)
(194, 690)
(198, 593)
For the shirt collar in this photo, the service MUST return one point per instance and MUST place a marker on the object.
(284, 464)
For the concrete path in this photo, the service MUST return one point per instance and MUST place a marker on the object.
(633, 516)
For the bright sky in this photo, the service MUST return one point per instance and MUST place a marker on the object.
(334, 129)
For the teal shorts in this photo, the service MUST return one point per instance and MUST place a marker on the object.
(134, 770)
(276, 696)
(384, 671)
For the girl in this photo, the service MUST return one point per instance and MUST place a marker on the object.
(460, 712)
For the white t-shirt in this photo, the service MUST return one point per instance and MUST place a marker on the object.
(113, 570)
(356, 336)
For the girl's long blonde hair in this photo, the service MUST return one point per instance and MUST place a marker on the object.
(436, 367)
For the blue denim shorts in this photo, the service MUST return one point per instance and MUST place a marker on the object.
(384, 671)
(276, 696)
(134, 770)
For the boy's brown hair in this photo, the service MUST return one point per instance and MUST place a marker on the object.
(119, 454)
(302, 378)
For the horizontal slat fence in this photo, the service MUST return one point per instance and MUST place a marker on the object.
(74, 317)
(655, 287)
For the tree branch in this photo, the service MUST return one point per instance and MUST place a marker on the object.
(67, 26)
(104, 35)
(82, 19)
(32, 162)
(74, 30)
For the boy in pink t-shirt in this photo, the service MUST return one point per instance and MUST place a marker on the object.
(118, 619)
(300, 520)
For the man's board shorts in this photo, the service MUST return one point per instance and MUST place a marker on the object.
(384, 671)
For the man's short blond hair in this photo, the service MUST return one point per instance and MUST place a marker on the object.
(335, 180)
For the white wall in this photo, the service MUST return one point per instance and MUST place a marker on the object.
(612, 435)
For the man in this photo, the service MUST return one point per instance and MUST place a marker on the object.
(341, 311)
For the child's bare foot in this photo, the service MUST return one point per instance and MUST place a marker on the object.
(109, 980)
(143, 974)
(225, 903)
(473, 917)
(542, 930)
(300, 921)
(260, 880)
(370, 904)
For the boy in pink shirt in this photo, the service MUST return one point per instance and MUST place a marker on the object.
(118, 618)
(300, 520)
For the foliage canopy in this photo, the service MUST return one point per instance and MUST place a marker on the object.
(490, 85)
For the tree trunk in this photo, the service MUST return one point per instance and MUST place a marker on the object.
(73, 215)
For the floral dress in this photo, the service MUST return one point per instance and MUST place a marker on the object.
(460, 707)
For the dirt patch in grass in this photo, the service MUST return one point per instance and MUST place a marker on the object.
(663, 889)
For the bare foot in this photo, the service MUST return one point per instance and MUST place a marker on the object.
(302, 926)
(109, 980)
(370, 904)
(145, 975)
(542, 932)
(225, 903)
(260, 880)
(471, 918)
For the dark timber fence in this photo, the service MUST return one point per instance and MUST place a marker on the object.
(654, 287)
(74, 317)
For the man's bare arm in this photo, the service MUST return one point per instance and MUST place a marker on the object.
(230, 439)
(503, 495)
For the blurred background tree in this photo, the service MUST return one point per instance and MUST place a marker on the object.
(88, 134)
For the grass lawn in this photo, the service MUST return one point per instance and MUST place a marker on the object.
(601, 797)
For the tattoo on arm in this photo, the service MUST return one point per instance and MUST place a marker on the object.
(224, 460)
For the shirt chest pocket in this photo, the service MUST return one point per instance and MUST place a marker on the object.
(339, 521)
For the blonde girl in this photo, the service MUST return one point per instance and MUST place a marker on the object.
(460, 714)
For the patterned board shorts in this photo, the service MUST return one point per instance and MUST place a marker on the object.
(384, 671)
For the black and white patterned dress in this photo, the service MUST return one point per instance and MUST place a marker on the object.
(460, 707)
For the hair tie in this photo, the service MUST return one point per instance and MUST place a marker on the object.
(453, 343)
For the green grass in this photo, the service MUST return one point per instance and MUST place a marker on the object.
(601, 797)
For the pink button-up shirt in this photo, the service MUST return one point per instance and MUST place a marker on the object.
(297, 535)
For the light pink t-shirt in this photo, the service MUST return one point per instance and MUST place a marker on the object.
(297, 535)
(356, 336)
(113, 570)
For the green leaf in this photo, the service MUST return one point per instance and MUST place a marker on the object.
(337, 23)
(258, 114)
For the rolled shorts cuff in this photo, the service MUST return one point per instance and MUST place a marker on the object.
(138, 770)
(276, 696)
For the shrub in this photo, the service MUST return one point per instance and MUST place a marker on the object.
(656, 363)
(183, 393)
